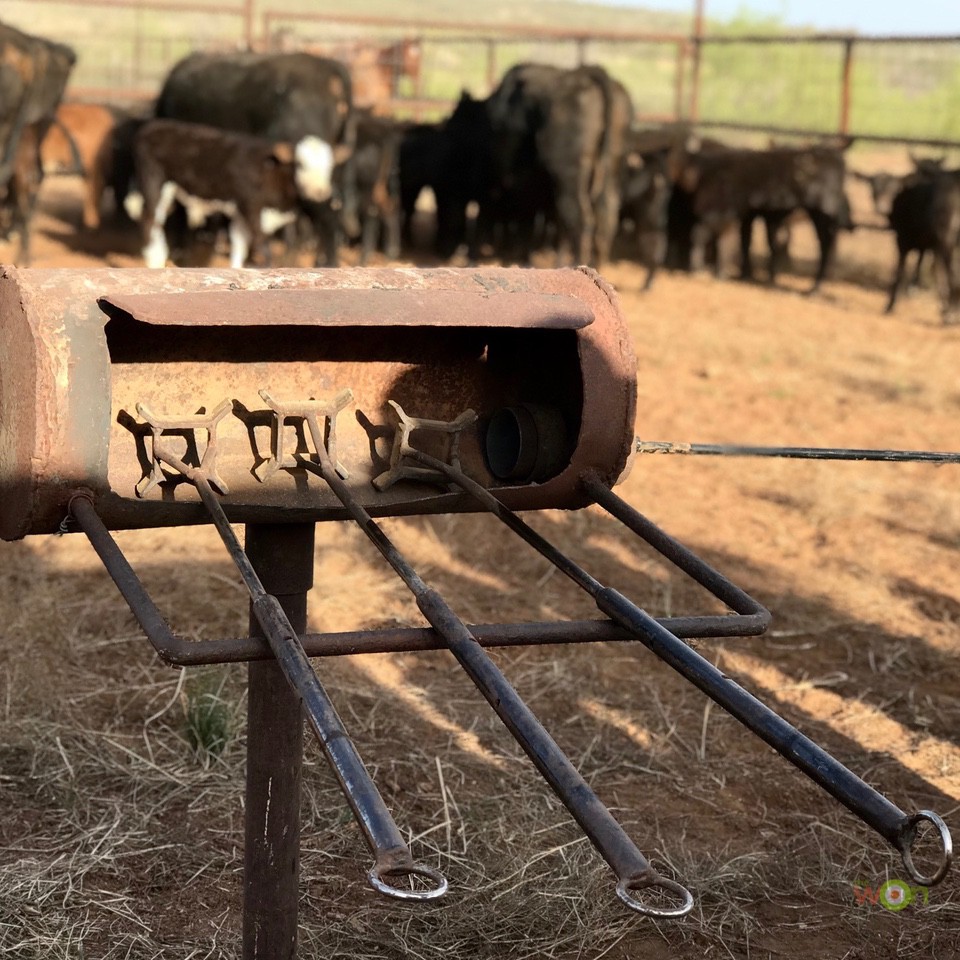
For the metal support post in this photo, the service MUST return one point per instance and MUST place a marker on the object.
(282, 555)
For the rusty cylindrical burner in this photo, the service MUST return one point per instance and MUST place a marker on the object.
(88, 346)
(162, 398)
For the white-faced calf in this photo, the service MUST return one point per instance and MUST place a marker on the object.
(257, 184)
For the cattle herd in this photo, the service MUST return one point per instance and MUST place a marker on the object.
(273, 144)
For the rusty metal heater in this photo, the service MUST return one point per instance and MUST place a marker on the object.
(134, 398)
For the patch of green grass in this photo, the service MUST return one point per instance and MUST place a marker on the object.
(210, 718)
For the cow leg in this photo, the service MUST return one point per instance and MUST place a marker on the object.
(94, 183)
(746, 241)
(700, 236)
(408, 209)
(826, 228)
(916, 272)
(369, 235)
(390, 220)
(24, 187)
(585, 237)
(473, 232)
(950, 259)
(577, 223)
(607, 221)
(243, 235)
(653, 251)
(326, 222)
(157, 204)
(97, 177)
(777, 243)
(897, 279)
(92, 192)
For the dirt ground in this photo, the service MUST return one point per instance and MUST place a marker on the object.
(121, 837)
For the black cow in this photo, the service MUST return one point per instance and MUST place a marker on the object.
(945, 219)
(120, 174)
(561, 133)
(925, 215)
(465, 173)
(280, 97)
(652, 161)
(33, 75)
(454, 159)
(733, 187)
(911, 219)
(377, 162)
(906, 201)
(680, 219)
(544, 149)
(423, 163)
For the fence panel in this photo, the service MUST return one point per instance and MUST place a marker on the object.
(649, 71)
(792, 85)
(124, 51)
(896, 88)
(906, 89)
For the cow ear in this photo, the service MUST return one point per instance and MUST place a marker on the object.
(283, 152)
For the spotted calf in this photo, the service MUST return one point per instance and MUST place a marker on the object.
(257, 184)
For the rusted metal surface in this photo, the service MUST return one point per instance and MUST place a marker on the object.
(312, 367)
(450, 430)
(282, 556)
(634, 872)
(363, 308)
(393, 860)
(750, 619)
(484, 339)
(186, 425)
(869, 805)
(659, 447)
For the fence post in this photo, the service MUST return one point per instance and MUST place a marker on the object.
(581, 51)
(682, 49)
(697, 41)
(418, 81)
(248, 23)
(491, 63)
(137, 51)
(845, 91)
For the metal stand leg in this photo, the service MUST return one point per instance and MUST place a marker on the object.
(282, 555)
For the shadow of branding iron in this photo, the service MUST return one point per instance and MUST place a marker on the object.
(276, 399)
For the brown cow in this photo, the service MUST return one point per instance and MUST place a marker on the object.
(80, 141)
(257, 183)
(33, 74)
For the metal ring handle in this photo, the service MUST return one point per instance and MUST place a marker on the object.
(905, 842)
(378, 874)
(627, 884)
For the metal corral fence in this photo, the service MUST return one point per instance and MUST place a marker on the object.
(896, 89)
